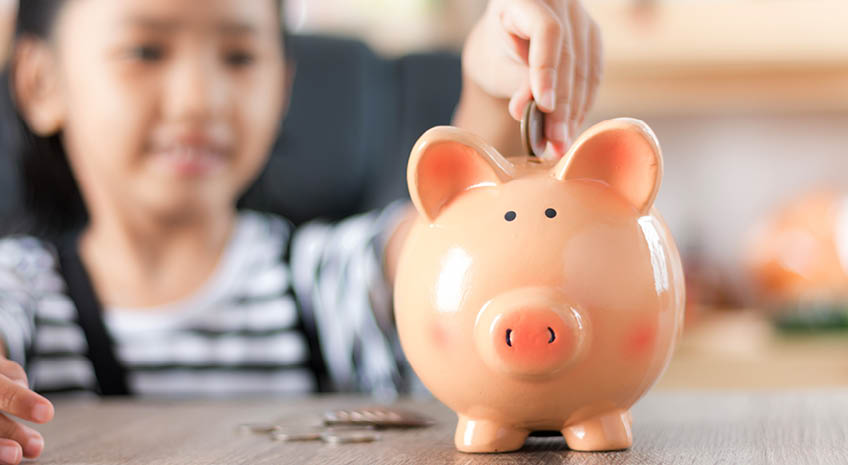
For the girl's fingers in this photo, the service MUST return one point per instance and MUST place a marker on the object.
(519, 101)
(517, 48)
(564, 60)
(557, 121)
(537, 22)
(14, 371)
(10, 452)
(580, 87)
(35, 443)
(24, 403)
(29, 442)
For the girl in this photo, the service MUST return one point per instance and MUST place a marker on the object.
(143, 121)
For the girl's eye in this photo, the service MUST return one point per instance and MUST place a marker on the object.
(239, 58)
(147, 52)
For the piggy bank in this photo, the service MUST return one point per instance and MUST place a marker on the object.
(536, 295)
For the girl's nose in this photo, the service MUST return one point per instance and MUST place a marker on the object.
(196, 89)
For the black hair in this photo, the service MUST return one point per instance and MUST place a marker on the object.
(52, 204)
(51, 200)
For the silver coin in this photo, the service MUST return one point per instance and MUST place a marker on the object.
(297, 436)
(340, 428)
(258, 428)
(533, 130)
(350, 437)
(380, 417)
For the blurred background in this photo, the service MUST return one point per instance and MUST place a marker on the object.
(749, 99)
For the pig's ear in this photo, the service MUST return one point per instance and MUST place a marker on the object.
(622, 153)
(445, 162)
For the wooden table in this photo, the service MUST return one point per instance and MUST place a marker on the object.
(671, 427)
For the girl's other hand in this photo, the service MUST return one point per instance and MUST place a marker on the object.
(17, 399)
(547, 50)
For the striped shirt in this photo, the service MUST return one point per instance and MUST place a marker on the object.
(280, 299)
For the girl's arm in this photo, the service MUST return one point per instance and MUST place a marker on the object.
(19, 267)
(397, 238)
(341, 285)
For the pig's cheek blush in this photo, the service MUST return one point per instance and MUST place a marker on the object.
(640, 340)
(439, 334)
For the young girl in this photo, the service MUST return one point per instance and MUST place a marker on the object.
(143, 121)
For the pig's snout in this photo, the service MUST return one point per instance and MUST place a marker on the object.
(530, 332)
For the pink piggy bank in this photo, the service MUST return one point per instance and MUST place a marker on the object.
(539, 295)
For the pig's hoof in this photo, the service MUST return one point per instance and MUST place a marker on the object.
(610, 431)
(487, 436)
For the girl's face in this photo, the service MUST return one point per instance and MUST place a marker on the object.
(169, 106)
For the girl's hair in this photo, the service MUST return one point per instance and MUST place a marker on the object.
(52, 203)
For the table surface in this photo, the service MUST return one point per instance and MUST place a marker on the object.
(673, 427)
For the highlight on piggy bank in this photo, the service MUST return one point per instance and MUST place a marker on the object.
(539, 295)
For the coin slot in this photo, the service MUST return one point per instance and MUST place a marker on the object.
(534, 160)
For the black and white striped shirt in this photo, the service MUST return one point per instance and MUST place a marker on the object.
(279, 299)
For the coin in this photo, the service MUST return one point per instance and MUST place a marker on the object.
(258, 428)
(297, 436)
(350, 438)
(340, 428)
(380, 417)
(532, 130)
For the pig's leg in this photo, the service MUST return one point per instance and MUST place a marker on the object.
(610, 431)
(487, 436)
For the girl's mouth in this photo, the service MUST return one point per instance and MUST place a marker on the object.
(190, 159)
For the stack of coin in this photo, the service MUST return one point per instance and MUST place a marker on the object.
(378, 417)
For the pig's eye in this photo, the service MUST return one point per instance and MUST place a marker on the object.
(550, 213)
(510, 215)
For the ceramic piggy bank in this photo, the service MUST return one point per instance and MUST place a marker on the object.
(539, 295)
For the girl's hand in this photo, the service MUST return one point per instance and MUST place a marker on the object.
(16, 398)
(548, 50)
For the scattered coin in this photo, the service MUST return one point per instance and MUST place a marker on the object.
(350, 438)
(342, 428)
(258, 428)
(346, 426)
(532, 130)
(297, 436)
(379, 417)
